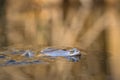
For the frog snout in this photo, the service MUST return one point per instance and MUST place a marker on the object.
(77, 53)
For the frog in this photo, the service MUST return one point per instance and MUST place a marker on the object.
(53, 52)
(23, 57)
(71, 55)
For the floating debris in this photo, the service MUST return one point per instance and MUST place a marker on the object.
(2, 56)
(28, 54)
(10, 62)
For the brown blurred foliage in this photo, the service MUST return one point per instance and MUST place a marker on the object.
(92, 25)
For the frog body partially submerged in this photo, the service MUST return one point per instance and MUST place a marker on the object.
(22, 57)
(60, 52)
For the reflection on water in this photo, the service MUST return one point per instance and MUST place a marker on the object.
(25, 64)
(24, 57)
(39, 61)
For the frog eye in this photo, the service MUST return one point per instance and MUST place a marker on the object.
(71, 52)
(77, 51)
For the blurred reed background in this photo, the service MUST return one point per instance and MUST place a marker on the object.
(92, 25)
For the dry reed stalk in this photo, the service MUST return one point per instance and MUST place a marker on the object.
(63, 35)
(91, 34)
(113, 39)
(14, 25)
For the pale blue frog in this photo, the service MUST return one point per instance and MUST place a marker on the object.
(72, 54)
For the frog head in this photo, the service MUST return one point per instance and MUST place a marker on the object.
(74, 52)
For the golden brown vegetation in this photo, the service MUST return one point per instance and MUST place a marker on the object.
(92, 25)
